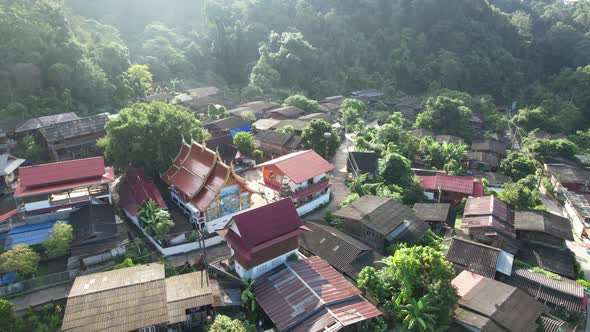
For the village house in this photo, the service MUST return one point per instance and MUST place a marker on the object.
(297, 124)
(577, 208)
(475, 257)
(363, 163)
(57, 186)
(205, 188)
(260, 109)
(548, 258)
(302, 175)
(343, 252)
(489, 146)
(323, 116)
(275, 143)
(66, 140)
(265, 124)
(231, 125)
(380, 222)
(31, 126)
(162, 97)
(368, 96)
(263, 238)
(495, 181)
(96, 230)
(448, 139)
(140, 298)
(488, 305)
(309, 295)
(489, 220)
(444, 188)
(559, 294)
(286, 112)
(437, 215)
(543, 227)
(8, 172)
(567, 177)
(483, 161)
(422, 132)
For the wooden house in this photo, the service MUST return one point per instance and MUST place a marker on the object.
(275, 143)
(437, 215)
(567, 177)
(444, 188)
(543, 228)
(66, 140)
(286, 112)
(380, 222)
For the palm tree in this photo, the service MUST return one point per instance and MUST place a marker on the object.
(249, 299)
(148, 215)
(419, 315)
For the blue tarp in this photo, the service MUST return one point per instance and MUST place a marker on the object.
(28, 234)
(8, 278)
(245, 128)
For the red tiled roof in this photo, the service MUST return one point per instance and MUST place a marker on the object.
(6, 216)
(300, 166)
(212, 187)
(309, 295)
(452, 183)
(488, 205)
(190, 169)
(64, 171)
(136, 189)
(266, 223)
(107, 176)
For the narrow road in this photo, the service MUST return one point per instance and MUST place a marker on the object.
(583, 258)
(339, 189)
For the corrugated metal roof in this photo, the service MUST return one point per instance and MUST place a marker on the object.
(187, 291)
(44, 121)
(75, 128)
(118, 300)
(558, 261)
(433, 211)
(474, 257)
(563, 293)
(63, 171)
(543, 221)
(300, 166)
(336, 247)
(550, 324)
(299, 295)
(451, 183)
(506, 305)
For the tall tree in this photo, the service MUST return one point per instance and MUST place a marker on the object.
(60, 240)
(321, 137)
(149, 135)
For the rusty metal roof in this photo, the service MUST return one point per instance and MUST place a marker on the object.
(309, 295)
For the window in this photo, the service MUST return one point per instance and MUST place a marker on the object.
(147, 329)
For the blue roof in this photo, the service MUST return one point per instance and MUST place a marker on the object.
(246, 128)
(28, 234)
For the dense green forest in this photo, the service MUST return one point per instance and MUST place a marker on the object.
(74, 54)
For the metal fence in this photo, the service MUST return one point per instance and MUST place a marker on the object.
(36, 283)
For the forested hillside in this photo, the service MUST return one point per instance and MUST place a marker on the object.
(75, 55)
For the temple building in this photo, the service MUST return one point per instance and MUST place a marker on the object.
(302, 175)
(205, 188)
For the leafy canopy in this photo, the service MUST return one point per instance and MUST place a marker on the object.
(60, 240)
(149, 135)
(321, 137)
(21, 259)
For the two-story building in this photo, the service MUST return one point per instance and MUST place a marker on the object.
(263, 238)
(302, 175)
(205, 188)
(69, 139)
(51, 187)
